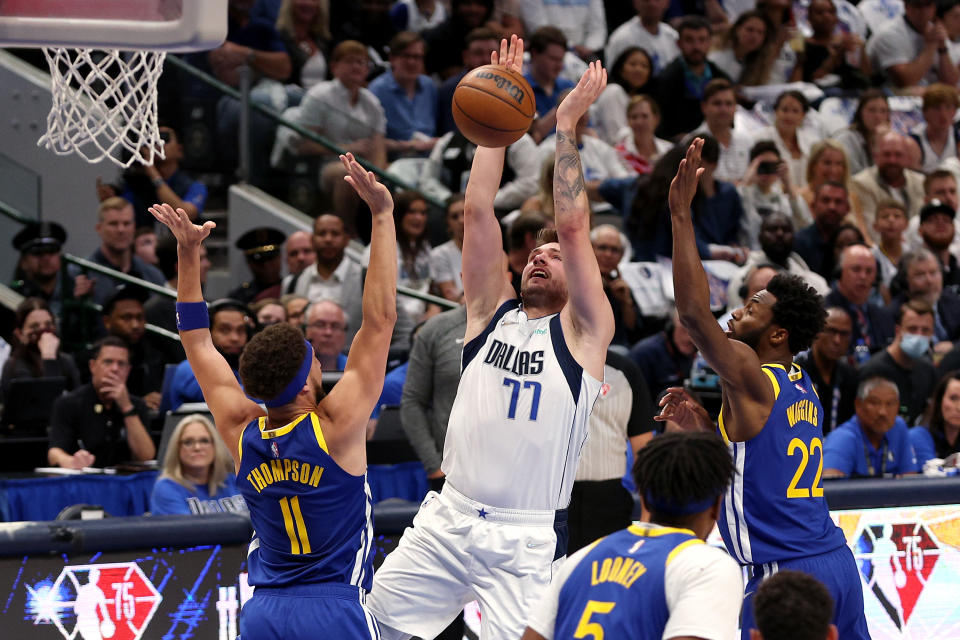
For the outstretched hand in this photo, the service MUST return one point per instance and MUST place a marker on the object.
(510, 55)
(591, 85)
(374, 193)
(186, 233)
(678, 406)
(684, 184)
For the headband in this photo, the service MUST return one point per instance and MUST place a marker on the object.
(674, 509)
(293, 388)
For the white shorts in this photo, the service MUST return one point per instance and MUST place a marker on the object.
(457, 551)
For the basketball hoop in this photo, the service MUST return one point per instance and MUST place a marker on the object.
(104, 104)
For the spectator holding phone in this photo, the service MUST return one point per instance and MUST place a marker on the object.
(609, 245)
(766, 188)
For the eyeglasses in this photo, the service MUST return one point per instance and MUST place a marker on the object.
(321, 326)
(189, 443)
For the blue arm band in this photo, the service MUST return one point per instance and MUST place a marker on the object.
(192, 315)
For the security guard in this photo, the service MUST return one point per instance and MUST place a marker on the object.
(38, 270)
(261, 246)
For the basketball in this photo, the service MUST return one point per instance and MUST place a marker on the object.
(493, 106)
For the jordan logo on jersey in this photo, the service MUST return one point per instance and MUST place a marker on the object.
(509, 358)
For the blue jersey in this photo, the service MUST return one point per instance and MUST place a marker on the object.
(775, 510)
(312, 521)
(623, 574)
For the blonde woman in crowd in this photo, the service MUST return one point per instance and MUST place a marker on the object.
(198, 475)
(828, 163)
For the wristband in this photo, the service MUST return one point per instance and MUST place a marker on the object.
(192, 315)
(132, 411)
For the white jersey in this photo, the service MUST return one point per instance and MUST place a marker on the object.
(520, 416)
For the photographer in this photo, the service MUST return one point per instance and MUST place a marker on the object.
(766, 187)
(162, 181)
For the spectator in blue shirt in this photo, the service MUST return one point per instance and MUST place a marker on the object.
(408, 98)
(875, 442)
(228, 330)
(197, 473)
(548, 46)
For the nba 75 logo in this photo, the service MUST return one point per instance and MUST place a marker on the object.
(96, 602)
(896, 560)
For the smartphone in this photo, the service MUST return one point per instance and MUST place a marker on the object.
(767, 168)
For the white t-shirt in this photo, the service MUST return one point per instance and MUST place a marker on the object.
(609, 113)
(899, 43)
(662, 47)
(735, 158)
(727, 61)
(583, 22)
(446, 261)
(880, 13)
(703, 587)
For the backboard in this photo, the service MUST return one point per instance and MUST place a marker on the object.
(163, 25)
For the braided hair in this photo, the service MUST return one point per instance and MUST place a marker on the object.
(680, 469)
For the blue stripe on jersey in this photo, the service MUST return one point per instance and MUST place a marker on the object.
(774, 509)
(572, 370)
(472, 348)
(313, 520)
(620, 576)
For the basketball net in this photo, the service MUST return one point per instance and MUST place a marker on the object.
(104, 104)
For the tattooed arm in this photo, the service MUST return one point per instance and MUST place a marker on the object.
(587, 318)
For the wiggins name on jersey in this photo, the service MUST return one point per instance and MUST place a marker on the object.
(774, 509)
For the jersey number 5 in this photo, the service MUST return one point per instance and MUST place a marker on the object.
(515, 395)
(802, 492)
(587, 629)
(293, 522)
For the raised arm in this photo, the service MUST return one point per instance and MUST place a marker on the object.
(230, 407)
(484, 287)
(352, 400)
(587, 313)
(734, 361)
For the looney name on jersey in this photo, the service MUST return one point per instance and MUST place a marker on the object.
(284, 470)
(509, 358)
(623, 571)
(804, 410)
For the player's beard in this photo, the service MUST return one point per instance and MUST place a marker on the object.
(543, 296)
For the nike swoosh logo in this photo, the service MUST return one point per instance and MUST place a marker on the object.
(535, 545)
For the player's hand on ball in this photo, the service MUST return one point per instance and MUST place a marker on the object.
(684, 185)
(375, 194)
(591, 85)
(186, 233)
(510, 55)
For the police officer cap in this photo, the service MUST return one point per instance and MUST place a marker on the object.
(261, 243)
(936, 206)
(37, 237)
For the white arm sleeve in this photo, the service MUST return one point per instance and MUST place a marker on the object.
(543, 617)
(704, 589)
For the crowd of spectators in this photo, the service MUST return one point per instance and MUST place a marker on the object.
(831, 152)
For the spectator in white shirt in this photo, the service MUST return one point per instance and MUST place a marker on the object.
(787, 131)
(638, 147)
(584, 22)
(912, 50)
(937, 135)
(719, 104)
(766, 189)
(446, 259)
(647, 31)
(630, 75)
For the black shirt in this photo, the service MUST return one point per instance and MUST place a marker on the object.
(915, 385)
(837, 396)
(81, 416)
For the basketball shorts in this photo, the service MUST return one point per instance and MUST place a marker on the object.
(307, 611)
(837, 570)
(459, 550)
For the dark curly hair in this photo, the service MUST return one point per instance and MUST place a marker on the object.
(798, 309)
(271, 359)
(792, 605)
(680, 468)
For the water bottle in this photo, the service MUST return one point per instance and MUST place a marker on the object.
(861, 353)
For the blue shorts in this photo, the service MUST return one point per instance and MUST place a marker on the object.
(307, 611)
(837, 570)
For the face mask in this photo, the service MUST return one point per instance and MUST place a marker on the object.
(914, 345)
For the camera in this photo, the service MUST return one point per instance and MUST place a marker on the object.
(767, 168)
